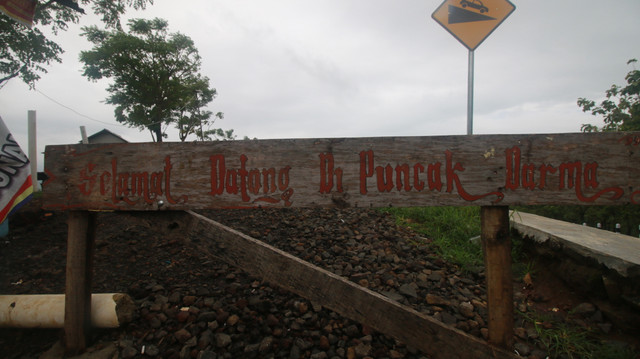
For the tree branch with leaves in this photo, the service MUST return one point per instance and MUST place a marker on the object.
(155, 74)
(25, 52)
(620, 109)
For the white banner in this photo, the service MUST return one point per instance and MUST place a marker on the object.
(16, 186)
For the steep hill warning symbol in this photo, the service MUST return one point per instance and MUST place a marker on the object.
(471, 21)
(460, 14)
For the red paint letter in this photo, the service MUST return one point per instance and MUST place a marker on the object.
(433, 176)
(167, 182)
(417, 183)
(269, 180)
(402, 177)
(452, 178)
(243, 179)
(366, 169)
(254, 181)
(384, 184)
(283, 178)
(570, 172)
(513, 168)
(543, 174)
(528, 176)
(327, 173)
(88, 181)
(218, 169)
(590, 175)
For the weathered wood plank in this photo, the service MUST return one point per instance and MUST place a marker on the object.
(79, 273)
(593, 168)
(336, 293)
(496, 246)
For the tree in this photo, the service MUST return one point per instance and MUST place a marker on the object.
(621, 108)
(621, 112)
(25, 52)
(192, 120)
(155, 77)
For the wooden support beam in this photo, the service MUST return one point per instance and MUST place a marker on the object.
(79, 273)
(336, 293)
(496, 245)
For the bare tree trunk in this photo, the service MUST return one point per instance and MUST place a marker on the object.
(156, 131)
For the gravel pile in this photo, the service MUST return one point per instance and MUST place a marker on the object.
(194, 306)
(368, 248)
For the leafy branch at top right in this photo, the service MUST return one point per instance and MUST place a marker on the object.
(620, 109)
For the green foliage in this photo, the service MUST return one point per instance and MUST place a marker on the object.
(621, 112)
(25, 52)
(521, 269)
(450, 228)
(156, 79)
(564, 340)
(216, 134)
(456, 233)
(621, 108)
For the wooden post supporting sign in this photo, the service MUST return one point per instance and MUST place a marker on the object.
(77, 316)
(496, 246)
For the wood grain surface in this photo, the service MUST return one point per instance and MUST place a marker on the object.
(478, 170)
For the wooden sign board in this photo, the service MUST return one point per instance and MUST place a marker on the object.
(481, 170)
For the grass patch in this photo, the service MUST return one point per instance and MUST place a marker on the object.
(563, 340)
(450, 228)
(521, 269)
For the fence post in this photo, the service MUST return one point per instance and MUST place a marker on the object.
(79, 273)
(496, 246)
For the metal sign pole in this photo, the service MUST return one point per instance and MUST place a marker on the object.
(471, 22)
(470, 96)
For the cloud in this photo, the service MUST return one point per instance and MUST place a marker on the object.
(289, 68)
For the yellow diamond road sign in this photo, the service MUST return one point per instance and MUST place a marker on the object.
(471, 21)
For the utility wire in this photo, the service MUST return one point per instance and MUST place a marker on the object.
(76, 112)
(83, 115)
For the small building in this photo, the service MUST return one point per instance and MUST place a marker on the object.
(105, 136)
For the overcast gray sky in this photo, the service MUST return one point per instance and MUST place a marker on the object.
(335, 68)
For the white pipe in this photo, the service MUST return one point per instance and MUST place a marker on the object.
(33, 149)
(83, 133)
(108, 310)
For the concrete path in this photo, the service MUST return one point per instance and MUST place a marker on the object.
(615, 251)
